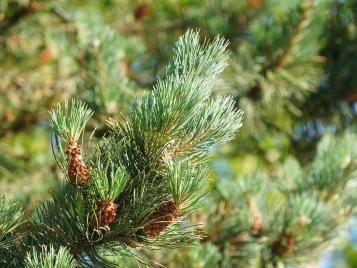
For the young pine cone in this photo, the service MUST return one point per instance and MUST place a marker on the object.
(106, 212)
(78, 172)
(283, 245)
(162, 217)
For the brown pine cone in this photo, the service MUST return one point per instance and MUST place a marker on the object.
(161, 218)
(106, 212)
(142, 11)
(78, 172)
(283, 245)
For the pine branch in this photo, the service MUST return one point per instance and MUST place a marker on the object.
(11, 218)
(287, 219)
(134, 190)
(259, 79)
(304, 21)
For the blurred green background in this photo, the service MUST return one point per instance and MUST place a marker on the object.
(292, 69)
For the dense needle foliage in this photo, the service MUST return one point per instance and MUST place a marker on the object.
(131, 136)
(136, 186)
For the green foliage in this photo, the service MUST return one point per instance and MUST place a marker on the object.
(69, 122)
(50, 258)
(105, 85)
(109, 181)
(290, 69)
(274, 72)
(351, 256)
(288, 218)
(52, 51)
(11, 218)
(188, 186)
(137, 186)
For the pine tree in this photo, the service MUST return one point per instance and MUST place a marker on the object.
(277, 197)
(138, 184)
(279, 78)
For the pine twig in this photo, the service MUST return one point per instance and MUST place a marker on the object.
(286, 56)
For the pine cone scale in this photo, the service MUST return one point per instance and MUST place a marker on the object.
(78, 172)
(106, 212)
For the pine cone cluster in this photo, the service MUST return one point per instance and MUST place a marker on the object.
(78, 172)
(106, 212)
(162, 217)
